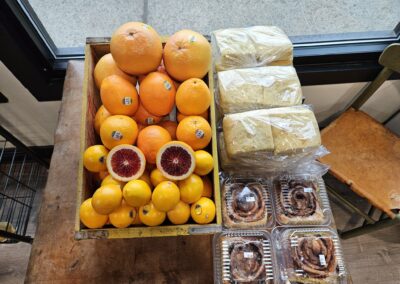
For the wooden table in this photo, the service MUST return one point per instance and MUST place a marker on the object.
(57, 258)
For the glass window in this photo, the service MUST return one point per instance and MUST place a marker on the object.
(69, 22)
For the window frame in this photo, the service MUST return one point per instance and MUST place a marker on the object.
(318, 59)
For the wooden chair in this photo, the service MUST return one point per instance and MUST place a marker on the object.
(366, 156)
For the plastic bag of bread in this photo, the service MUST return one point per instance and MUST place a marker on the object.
(251, 47)
(247, 89)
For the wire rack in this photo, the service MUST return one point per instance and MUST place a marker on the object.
(22, 172)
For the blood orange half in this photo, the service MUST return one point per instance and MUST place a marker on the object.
(176, 160)
(126, 162)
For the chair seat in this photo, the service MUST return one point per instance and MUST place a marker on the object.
(365, 156)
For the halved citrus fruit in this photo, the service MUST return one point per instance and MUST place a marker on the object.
(165, 196)
(126, 162)
(150, 216)
(150, 140)
(94, 158)
(117, 130)
(176, 160)
(157, 93)
(180, 214)
(89, 217)
(195, 131)
(119, 96)
(107, 198)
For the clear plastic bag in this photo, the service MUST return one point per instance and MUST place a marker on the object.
(246, 202)
(270, 139)
(301, 199)
(243, 256)
(309, 255)
(248, 89)
(251, 47)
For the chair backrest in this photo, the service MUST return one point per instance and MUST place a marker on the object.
(390, 59)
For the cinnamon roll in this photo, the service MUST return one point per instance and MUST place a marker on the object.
(298, 202)
(244, 204)
(315, 256)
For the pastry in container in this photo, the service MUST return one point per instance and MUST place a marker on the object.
(248, 89)
(301, 200)
(243, 256)
(246, 203)
(309, 255)
(251, 47)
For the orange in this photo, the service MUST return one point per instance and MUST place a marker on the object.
(208, 188)
(136, 48)
(150, 216)
(117, 130)
(193, 97)
(204, 162)
(105, 67)
(203, 211)
(180, 116)
(137, 193)
(123, 216)
(107, 198)
(195, 131)
(165, 196)
(151, 139)
(137, 219)
(101, 115)
(144, 117)
(191, 188)
(161, 69)
(156, 177)
(119, 96)
(187, 54)
(146, 178)
(157, 93)
(89, 217)
(110, 180)
(170, 126)
(179, 214)
(94, 158)
(103, 174)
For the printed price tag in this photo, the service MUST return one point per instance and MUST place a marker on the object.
(248, 254)
(250, 199)
(127, 101)
(116, 135)
(308, 189)
(322, 260)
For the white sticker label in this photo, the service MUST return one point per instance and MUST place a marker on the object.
(116, 135)
(127, 101)
(167, 85)
(250, 199)
(308, 189)
(248, 254)
(322, 260)
(199, 133)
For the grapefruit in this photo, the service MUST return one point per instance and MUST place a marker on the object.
(119, 96)
(175, 160)
(105, 67)
(187, 54)
(117, 130)
(136, 48)
(193, 97)
(126, 162)
(157, 93)
(150, 140)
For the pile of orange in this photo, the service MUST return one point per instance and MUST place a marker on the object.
(154, 115)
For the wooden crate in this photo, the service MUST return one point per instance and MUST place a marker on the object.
(95, 49)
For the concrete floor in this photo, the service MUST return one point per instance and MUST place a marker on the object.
(69, 22)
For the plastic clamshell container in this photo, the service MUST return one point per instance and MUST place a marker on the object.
(300, 193)
(249, 247)
(247, 203)
(309, 255)
(94, 50)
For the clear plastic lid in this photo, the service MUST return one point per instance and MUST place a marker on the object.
(246, 203)
(309, 255)
(243, 256)
(301, 200)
